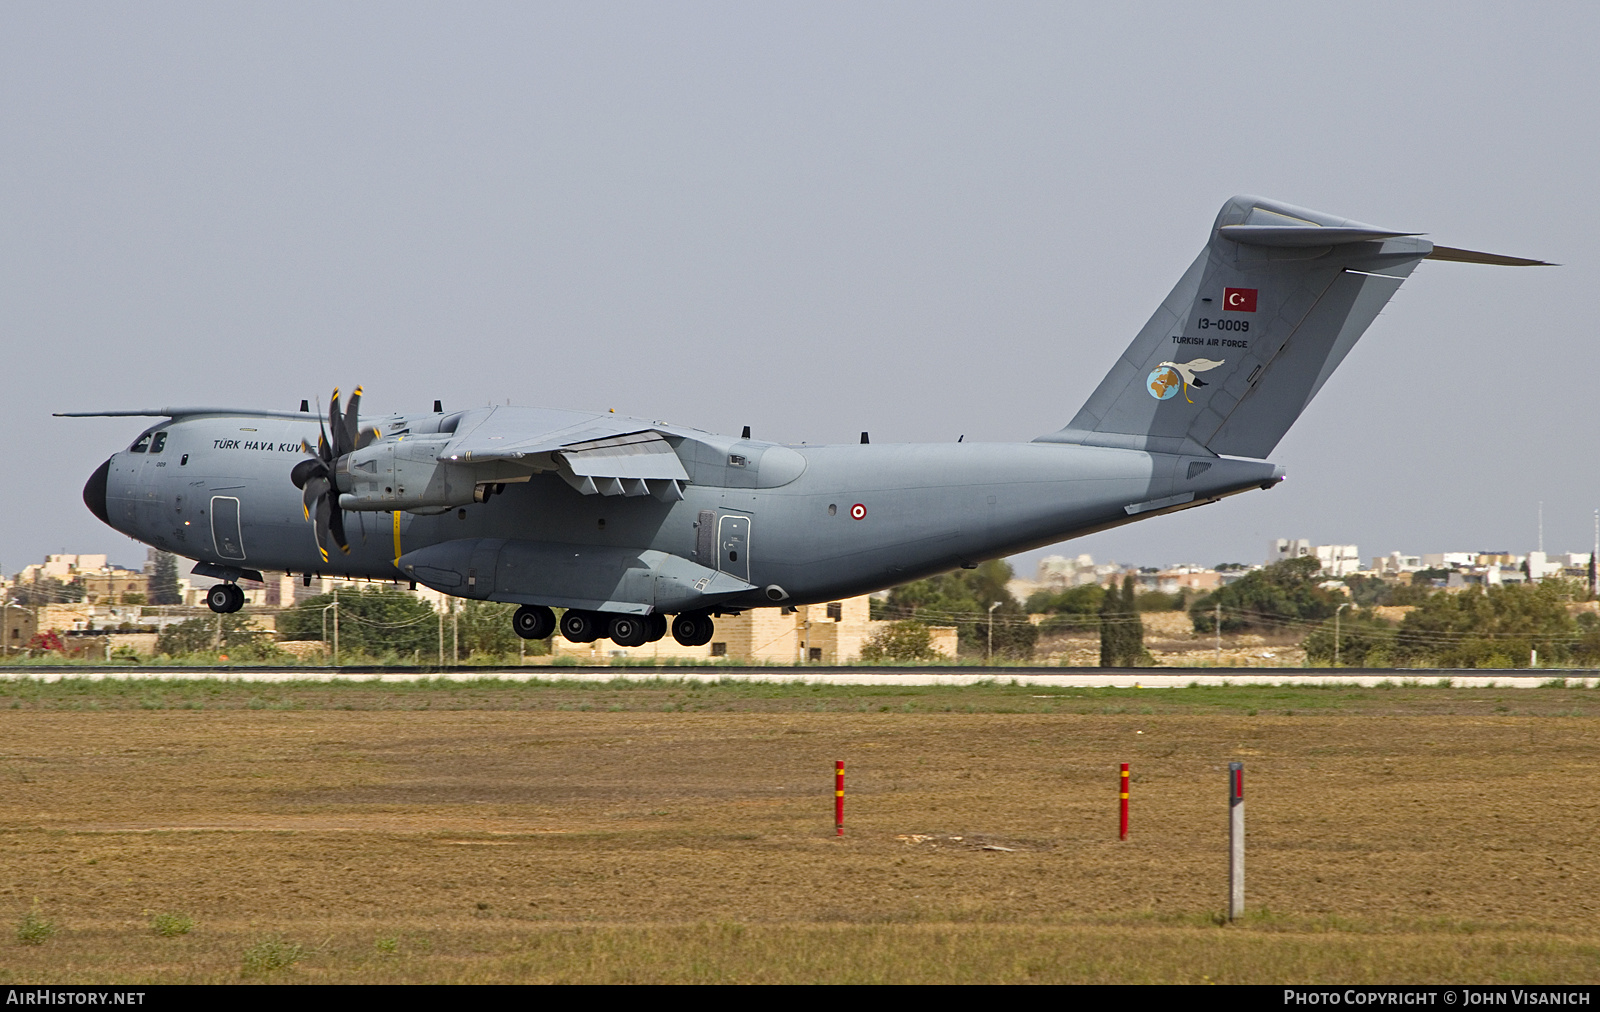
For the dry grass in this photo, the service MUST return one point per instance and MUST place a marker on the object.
(556, 845)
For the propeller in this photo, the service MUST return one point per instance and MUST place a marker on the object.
(316, 476)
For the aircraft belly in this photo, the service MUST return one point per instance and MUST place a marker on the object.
(602, 578)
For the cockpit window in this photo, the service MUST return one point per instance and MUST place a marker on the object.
(159, 443)
(142, 446)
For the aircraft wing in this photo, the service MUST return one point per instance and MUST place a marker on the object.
(593, 457)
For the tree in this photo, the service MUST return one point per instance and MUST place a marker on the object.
(1110, 629)
(164, 580)
(1497, 628)
(1283, 594)
(377, 621)
(1364, 641)
(1070, 610)
(1121, 629)
(46, 590)
(1133, 639)
(906, 640)
(962, 599)
(1369, 590)
(237, 638)
(485, 631)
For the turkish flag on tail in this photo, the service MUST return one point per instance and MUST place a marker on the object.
(1239, 300)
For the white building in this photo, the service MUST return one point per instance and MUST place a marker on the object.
(1337, 560)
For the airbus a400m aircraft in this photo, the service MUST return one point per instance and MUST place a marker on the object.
(624, 522)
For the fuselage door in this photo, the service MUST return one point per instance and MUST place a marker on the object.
(225, 527)
(733, 545)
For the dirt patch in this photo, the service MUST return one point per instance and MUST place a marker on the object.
(377, 823)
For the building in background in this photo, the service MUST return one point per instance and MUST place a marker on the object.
(1337, 560)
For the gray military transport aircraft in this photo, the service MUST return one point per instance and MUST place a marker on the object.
(623, 521)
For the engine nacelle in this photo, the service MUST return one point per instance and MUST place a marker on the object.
(405, 473)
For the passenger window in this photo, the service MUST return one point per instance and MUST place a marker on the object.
(142, 446)
(159, 443)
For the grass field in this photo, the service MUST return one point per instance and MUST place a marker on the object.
(500, 832)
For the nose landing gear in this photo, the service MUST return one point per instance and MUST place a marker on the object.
(225, 598)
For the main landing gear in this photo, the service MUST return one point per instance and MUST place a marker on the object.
(693, 628)
(581, 626)
(535, 622)
(225, 598)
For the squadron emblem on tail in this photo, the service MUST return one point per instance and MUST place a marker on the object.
(1165, 379)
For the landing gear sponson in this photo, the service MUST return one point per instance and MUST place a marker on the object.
(536, 622)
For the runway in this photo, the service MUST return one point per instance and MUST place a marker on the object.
(1043, 677)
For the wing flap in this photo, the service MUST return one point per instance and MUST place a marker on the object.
(630, 456)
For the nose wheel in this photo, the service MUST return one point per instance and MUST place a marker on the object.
(225, 598)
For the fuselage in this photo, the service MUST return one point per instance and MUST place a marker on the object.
(789, 524)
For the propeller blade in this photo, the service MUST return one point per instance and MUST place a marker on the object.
(336, 528)
(352, 421)
(316, 490)
(324, 451)
(335, 424)
(303, 471)
(323, 518)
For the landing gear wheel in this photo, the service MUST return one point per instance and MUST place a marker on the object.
(534, 622)
(225, 598)
(658, 627)
(581, 626)
(629, 630)
(693, 629)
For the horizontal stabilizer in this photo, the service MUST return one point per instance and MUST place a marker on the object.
(1467, 256)
(1303, 236)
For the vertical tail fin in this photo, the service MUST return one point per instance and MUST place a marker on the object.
(1265, 314)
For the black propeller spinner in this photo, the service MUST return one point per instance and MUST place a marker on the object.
(317, 475)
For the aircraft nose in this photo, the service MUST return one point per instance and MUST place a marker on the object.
(94, 492)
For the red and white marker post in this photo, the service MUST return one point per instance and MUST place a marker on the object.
(838, 798)
(1123, 788)
(1235, 840)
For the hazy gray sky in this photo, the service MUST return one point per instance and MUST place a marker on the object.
(918, 219)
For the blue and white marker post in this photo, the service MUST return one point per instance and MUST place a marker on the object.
(1235, 840)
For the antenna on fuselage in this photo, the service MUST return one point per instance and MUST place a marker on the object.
(438, 407)
(864, 439)
(305, 406)
(746, 434)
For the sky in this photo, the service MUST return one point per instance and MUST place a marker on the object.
(925, 220)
